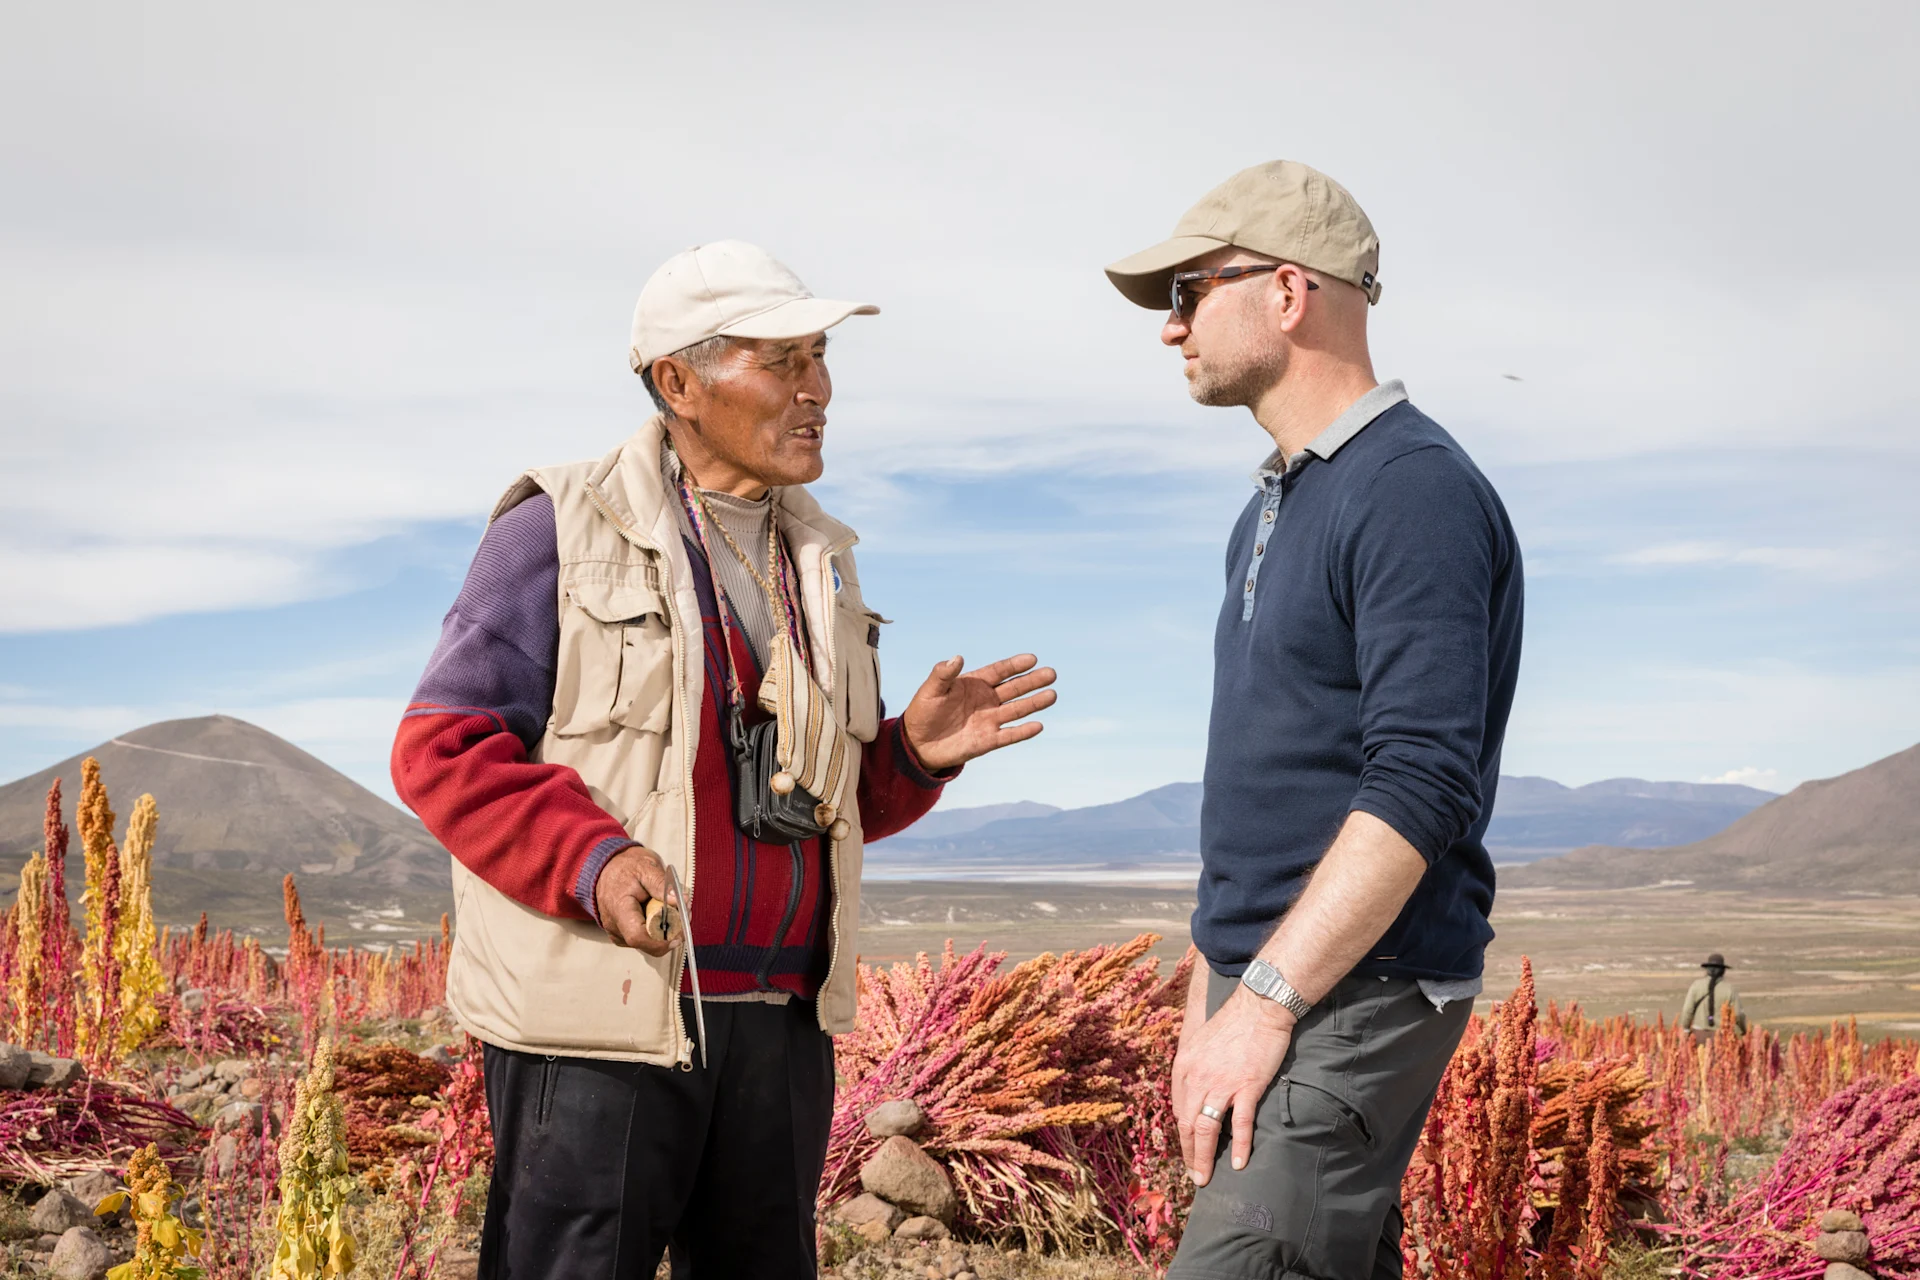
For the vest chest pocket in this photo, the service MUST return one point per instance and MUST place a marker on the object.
(615, 661)
(856, 644)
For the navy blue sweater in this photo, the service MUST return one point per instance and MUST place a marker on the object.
(1370, 667)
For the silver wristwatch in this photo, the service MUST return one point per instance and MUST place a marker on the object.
(1265, 981)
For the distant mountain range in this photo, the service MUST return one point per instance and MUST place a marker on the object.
(240, 807)
(1159, 830)
(1858, 833)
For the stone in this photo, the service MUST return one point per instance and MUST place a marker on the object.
(869, 1208)
(921, 1228)
(199, 1104)
(91, 1188)
(1841, 1220)
(1845, 1271)
(1841, 1246)
(195, 1078)
(905, 1175)
(233, 1069)
(16, 1065)
(58, 1211)
(194, 1000)
(54, 1073)
(871, 1232)
(237, 1116)
(442, 1054)
(80, 1255)
(222, 1157)
(901, 1117)
(253, 1088)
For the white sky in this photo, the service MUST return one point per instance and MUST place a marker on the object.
(281, 281)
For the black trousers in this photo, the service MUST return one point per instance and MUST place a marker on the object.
(600, 1167)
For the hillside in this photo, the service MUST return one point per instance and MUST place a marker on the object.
(1857, 833)
(236, 800)
(1538, 817)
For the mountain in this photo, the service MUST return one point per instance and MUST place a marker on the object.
(1160, 829)
(1152, 834)
(1537, 817)
(235, 799)
(1857, 833)
(952, 822)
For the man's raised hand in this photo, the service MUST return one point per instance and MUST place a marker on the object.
(631, 879)
(956, 718)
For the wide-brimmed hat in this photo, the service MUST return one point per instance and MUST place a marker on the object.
(1283, 209)
(1714, 961)
(727, 289)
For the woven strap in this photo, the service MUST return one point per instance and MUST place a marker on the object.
(812, 745)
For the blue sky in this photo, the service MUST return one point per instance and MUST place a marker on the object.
(292, 297)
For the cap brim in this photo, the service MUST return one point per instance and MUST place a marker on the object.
(797, 318)
(1145, 278)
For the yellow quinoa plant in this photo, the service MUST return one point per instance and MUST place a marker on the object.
(28, 982)
(141, 980)
(314, 1182)
(162, 1242)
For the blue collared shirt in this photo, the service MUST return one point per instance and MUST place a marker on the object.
(1365, 659)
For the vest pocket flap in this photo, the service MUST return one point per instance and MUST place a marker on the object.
(857, 683)
(616, 601)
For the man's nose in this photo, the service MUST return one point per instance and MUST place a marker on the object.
(1175, 330)
(813, 383)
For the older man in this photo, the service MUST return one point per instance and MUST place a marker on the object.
(659, 687)
(1364, 663)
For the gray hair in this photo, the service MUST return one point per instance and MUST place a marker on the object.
(702, 357)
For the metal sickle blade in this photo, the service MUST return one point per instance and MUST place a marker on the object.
(693, 967)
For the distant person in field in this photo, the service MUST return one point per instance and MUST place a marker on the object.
(1707, 1000)
(661, 671)
(1364, 663)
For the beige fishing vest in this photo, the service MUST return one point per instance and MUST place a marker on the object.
(626, 717)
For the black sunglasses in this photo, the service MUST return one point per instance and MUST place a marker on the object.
(1185, 298)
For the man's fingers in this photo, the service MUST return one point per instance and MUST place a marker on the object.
(995, 672)
(1018, 733)
(1027, 706)
(944, 673)
(1206, 1142)
(1246, 1110)
(1011, 689)
(629, 928)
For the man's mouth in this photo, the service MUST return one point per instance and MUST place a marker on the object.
(807, 432)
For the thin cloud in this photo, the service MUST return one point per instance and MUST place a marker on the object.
(1749, 776)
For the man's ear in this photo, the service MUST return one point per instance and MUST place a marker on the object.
(1290, 288)
(678, 387)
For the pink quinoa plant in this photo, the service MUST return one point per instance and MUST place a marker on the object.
(1860, 1150)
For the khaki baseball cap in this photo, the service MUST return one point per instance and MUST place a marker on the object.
(1284, 209)
(728, 288)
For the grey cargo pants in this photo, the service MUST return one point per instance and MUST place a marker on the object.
(1320, 1197)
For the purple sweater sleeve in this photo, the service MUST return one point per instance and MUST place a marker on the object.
(460, 760)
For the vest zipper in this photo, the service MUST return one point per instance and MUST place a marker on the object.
(833, 845)
(683, 1049)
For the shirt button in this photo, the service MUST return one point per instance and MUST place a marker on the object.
(1249, 584)
(1259, 548)
(1267, 515)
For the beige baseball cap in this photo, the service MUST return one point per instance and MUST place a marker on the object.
(1284, 209)
(728, 288)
